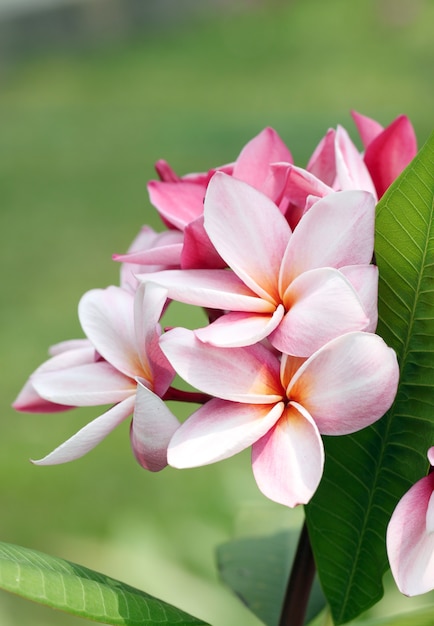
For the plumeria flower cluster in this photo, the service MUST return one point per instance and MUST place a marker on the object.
(280, 258)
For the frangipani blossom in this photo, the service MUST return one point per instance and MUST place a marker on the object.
(410, 537)
(291, 287)
(280, 407)
(121, 364)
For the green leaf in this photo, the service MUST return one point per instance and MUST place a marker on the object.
(368, 472)
(80, 591)
(257, 570)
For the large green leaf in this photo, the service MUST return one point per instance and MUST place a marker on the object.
(74, 589)
(367, 473)
(257, 570)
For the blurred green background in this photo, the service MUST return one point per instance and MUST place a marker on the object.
(80, 130)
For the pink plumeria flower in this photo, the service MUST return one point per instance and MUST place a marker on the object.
(410, 537)
(300, 289)
(179, 201)
(387, 150)
(121, 364)
(280, 407)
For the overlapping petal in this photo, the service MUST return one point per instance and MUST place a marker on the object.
(348, 384)
(216, 289)
(239, 329)
(238, 374)
(85, 385)
(321, 304)
(106, 316)
(337, 230)
(248, 231)
(220, 429)
(288, 460)
(152, 427)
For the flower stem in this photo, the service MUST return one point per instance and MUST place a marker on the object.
(300, 583)
(186, 396)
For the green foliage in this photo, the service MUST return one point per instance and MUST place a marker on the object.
(257, 570)
(80, 591)
(367, 473)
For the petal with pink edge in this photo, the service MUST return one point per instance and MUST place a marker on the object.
(410, 546)
(90, 435)
(248, 231)
(215, 289)
(367, 127)
(250, 375)
(352, 172)
(321, 305)
(29, 401)
(218, 430)
(198, 251)
(85, 385)
(107, 318)
(348, 384)
(240, 329)
(337, 230)
(253, 163)
(322, 163)
(364, 279)
(288, 460)
(149, 302)
(152, 427)
(178, 203)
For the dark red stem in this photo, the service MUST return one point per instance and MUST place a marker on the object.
(300, 583)
(186, 396)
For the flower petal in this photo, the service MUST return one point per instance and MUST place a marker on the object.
(348, 384)
(178, 203)
(249, 375)
(248, 231)
(198, 251)
(90, 435)
(85, 385)
(218, 430)
(352, 172)
(253, 163)
(322, 163)
(390, 152)
(149, 302)
(288, 461)
(364, 279)
(321, 305)
(240, 329)
(337, 230)
(367, 127)
(107, 318)
(216, 289)
(152, 427)
(410, 547)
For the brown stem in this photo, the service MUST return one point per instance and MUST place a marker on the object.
(186, 396)
(300, 583)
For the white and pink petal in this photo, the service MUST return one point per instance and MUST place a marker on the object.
(218, 430)
(249, 375)
(288, 460)
(152, 427)
(90, 435)
(348, 384)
